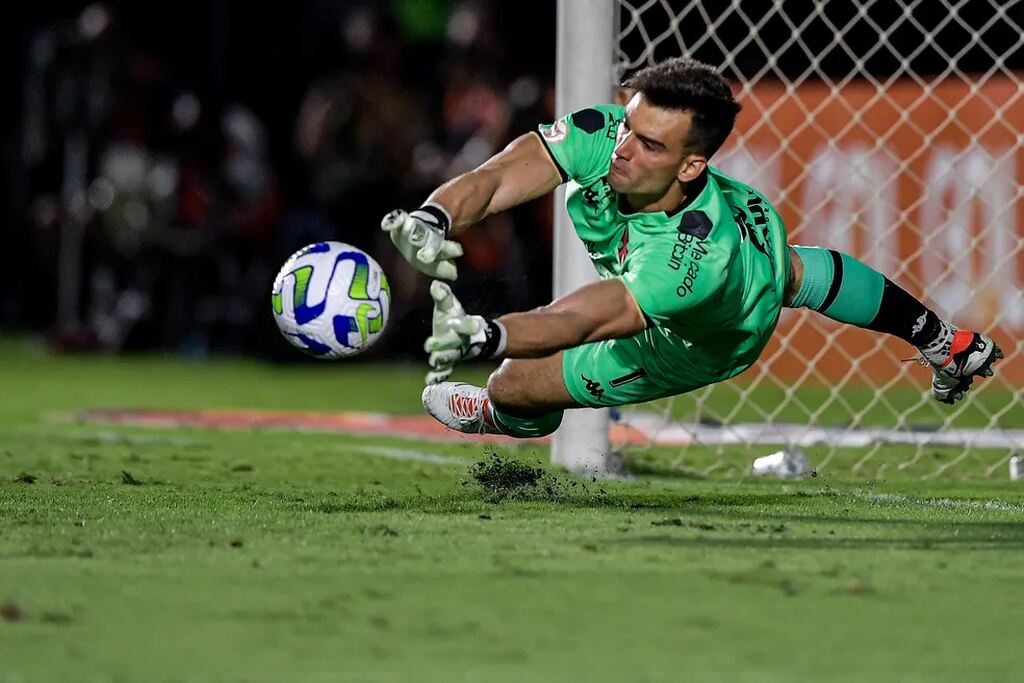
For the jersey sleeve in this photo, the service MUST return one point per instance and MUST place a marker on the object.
(679, 274)
(581, 143)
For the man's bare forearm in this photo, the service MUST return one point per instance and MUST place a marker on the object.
(539, 333)
(601, 310)
(467, 197)
(520, 172)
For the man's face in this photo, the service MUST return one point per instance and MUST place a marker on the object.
(650, 153)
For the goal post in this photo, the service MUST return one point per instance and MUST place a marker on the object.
(893, 131)
(583, 76)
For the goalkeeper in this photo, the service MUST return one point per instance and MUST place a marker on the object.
(694, 268)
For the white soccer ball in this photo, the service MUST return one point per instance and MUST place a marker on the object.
(331, 300)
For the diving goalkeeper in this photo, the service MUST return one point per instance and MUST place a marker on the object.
(694, 268)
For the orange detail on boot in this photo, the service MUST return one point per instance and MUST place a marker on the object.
(961, 340)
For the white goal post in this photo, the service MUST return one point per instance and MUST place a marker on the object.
(583, 76)
(890, 130)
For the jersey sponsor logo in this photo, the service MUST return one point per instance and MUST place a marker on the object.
(593, 388)
(686, 245)
(612, 131)
(685, 288)
(556, 132)
(687, 253)
(624, 245)
(755, 206)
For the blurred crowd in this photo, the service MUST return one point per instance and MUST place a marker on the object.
(165, 160)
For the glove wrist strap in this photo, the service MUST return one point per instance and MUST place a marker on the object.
(497, 335)
(490, 341)
(435, 215)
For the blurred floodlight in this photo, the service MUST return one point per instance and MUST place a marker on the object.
(93, 21)
(185, 111)
(125, 166)
(163, 179)
(358, 30)
(464, 25)
(101, 194)
(243, 129)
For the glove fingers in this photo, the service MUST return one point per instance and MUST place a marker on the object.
(429, 253)
(445, 270)
(438, 376)
(442, 359)
(439, 291)
(444, 301)
(449, 249)
(445, 341)
(464, 325)
(393, 220)
(415, 233)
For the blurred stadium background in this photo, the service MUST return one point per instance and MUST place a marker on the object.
(161, 162)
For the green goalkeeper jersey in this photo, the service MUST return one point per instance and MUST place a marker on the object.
(708, 276)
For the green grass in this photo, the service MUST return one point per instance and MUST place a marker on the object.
(268, 556)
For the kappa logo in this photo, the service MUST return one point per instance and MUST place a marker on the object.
(919, 324)
(593, 388)
(556, 132)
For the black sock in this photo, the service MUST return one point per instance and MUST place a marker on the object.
(905, 317)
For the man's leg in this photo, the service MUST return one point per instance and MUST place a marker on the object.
(523, 398)
(845, 289)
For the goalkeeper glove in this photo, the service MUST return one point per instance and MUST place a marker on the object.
(421, 237)
(458, 336)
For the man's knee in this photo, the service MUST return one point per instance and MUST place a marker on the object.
(504, 386)
(529, 386)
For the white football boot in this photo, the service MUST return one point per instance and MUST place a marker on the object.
(460, 406)
(970, 355)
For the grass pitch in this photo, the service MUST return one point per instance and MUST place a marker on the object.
(188, 555)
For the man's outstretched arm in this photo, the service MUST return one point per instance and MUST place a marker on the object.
(522, 171)
(602, 310)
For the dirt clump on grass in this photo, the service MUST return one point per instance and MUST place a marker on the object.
(510, 479)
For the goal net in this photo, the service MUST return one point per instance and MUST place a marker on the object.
(892, 131)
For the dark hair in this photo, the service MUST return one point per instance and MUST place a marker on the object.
(683, 83)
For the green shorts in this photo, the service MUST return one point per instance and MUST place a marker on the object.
(652, 365)
(617, 372)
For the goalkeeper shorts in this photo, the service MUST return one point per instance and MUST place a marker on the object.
(617, 372)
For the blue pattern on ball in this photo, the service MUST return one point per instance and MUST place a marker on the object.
(343, 325)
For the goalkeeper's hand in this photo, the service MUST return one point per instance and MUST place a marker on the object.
(422, 238)
(457, 335)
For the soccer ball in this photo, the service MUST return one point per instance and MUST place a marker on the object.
(331, 300)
